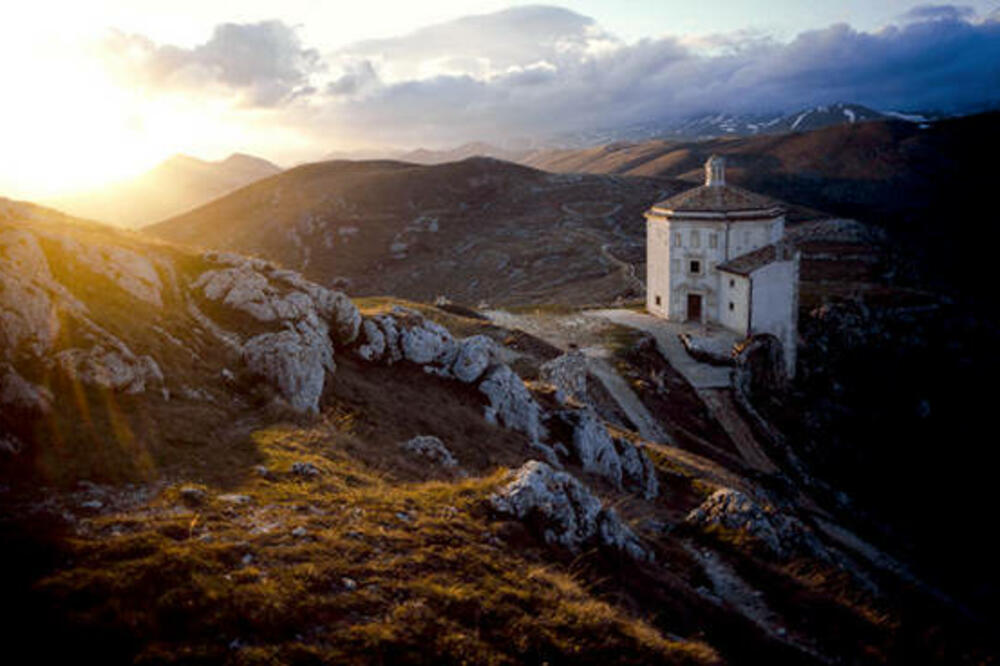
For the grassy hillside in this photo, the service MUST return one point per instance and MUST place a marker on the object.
(474, 230)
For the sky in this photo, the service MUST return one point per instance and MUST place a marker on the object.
(102, 90)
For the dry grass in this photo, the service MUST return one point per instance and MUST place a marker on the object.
(381, 572)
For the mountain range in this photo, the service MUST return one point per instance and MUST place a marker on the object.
(175, 185)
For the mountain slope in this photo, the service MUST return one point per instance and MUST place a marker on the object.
(176, 185)
(471, 230)
(206, 456)
(898, 175)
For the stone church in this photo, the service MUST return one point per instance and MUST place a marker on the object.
(716, 254)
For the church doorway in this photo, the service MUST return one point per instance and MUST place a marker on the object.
(694, 307)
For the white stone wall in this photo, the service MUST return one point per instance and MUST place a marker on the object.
(748, 236)
(668, 265)
(734, 289)
(774, 305)
(657, 266)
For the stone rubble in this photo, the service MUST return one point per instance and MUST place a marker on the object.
(565, 511)
(430, 448)
(782, 534)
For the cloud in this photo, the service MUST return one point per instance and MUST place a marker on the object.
(264, 62)
(538, 70)
(939, 13)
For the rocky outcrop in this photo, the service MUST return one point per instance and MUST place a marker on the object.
(296, 359)
(18, 393)
(510, 403)
(431, 449)
(112, 367)
(475, 355)
(128, 270)
(760, 367)
(568, 374)
(28, 318)
(293, 361)
(564, 511)
(782, 534)
(622, 463)
(405, 334)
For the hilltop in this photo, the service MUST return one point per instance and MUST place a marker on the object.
(474, 230)
(177, 184)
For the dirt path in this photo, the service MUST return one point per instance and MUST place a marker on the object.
(721, 405)
(647, 426)
(699, 375)
(729, 589)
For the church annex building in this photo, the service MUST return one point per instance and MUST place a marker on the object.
(716, 254)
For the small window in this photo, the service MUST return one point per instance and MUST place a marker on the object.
(659, 302)
(695, 238)
(695, 267)
(678, 239)
(731, 306)
(713, 241)
(732, 284)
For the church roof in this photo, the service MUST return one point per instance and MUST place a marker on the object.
(716, 199)
(745, 264)
(726, 199)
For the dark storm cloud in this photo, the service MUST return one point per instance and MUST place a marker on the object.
(264, 61)
(563, 73)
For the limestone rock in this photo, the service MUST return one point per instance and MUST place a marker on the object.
(269, 294)
(112, 366)
(594, 447)
(339, 311)
(428, 343)
(782, 534)
(475, 354)
(564, 510)
(568, 373)
(293, 361)
(305, 469)
(130, 271)
(19, 393)
(373, 345)
(432, 449)
(244, 289)
(510, 402)
(638, 473)
(27, 312)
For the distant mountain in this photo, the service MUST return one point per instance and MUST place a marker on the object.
(174, 186)
(470, 230)
(910, 177)
(711, 125)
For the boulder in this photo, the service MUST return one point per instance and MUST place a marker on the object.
(294, 361)
(782, 534)
(510, 403)
(339, 311)
(564, 511)
(372, 347)
(594, 447)
(638, 473)
(431, 449)
(111, 366)
(18, 393)
(475, 354)
(568, 374)
(428, 343)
